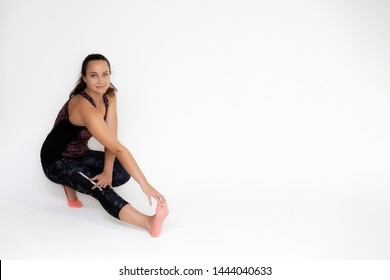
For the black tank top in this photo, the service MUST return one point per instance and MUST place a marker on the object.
(65, 139)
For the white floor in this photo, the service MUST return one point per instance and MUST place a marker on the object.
(226, 222)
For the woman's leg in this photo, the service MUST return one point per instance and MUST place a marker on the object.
(73, 201)
(132, 216)
(92, 164)
(70, 193)
(66, 172)
(153, 224)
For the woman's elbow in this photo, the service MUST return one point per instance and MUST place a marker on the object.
(118, 150)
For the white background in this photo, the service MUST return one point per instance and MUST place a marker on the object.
(264, 123)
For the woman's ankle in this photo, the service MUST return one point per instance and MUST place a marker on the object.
(70, 193)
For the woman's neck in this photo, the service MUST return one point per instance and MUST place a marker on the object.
(97, 97)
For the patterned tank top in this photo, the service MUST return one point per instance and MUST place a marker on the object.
(65, 139)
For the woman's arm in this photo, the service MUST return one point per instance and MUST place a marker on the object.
(93, 120)
(112, 123)
(105, 178)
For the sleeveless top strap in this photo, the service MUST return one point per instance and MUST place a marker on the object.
(89, 98)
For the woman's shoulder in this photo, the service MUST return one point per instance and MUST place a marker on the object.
(111, 98)
(79, 102)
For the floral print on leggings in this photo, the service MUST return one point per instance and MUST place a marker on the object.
(65, 172)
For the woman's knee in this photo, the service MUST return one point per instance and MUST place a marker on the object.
(120, 179)
(120, 175)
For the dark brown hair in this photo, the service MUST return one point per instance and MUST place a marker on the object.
(81, 85)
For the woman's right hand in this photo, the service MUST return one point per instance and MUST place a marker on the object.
(152, 192)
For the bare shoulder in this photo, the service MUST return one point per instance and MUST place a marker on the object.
(78, 102)
(78, 108)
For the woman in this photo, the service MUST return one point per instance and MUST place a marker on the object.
(66, 159)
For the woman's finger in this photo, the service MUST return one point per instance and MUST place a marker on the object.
(160, 199)
(94, 178)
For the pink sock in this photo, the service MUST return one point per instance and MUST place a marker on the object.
(161, 213)
(74, 204)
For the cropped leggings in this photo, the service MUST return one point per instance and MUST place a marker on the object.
(65, 172)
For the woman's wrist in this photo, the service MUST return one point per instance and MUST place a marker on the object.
(107, 170)
(143, 183)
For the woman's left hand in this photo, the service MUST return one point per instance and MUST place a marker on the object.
(103, 180)
(152, 192)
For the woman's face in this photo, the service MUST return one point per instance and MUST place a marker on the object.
(98, 77)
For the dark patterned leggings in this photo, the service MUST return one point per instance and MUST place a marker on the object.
(65, 172)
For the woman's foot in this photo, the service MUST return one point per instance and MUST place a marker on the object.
(158, 220)
(71, 196)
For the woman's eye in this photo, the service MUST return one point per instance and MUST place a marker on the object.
(93, 76)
